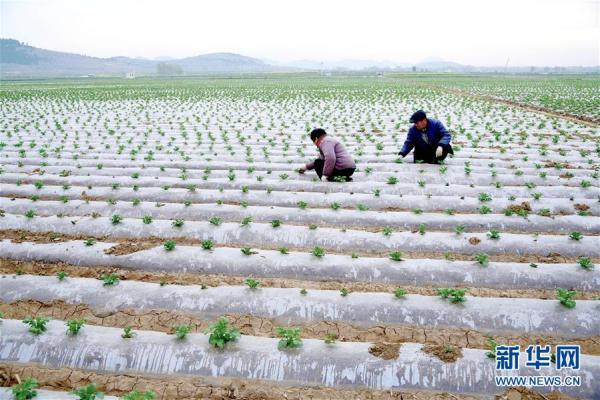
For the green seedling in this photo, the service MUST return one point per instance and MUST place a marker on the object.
(387, 231)
(400, 293)
(147, 219)
(335, 206)
(330, 338)
(207, 244)
(484, 197)
(290, 337)
(178, 223)
(37, 325)
(128, 332)
(169, 245)
(481, 258)
(135, 395)
(246, 221)
(492, 345)
(216, 221)
(450, 349)
(181, 331)
(318, 251)
(396, 256)
(344, 292)
(453, 294)
(88, 392)
(116, 219)
(585, 262)
(252, 283)
(247, 251)
(61, 275)
(74, 326)
(221, 333)
(565, 297)
(110, 279)
(276, 223)
(575, 235)
(25, 390)
(362, 207)
(493, 234)
(544, 212)
(484, 210)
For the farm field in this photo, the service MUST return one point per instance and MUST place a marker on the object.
(156, 236)
(570, 95)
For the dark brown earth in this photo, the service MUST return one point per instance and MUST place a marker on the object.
(445, 352)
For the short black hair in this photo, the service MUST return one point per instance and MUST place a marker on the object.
(317, 133)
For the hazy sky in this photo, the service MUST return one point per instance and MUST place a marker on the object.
(484, 32)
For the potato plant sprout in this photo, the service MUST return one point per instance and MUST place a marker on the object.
(330, 338)
(137, 395)
(74, 326)
(318, 252)
(128, 332)
(565, 297)
(252, 283)
(62, 275)
(37, 325)
(26, 389)
(181, 331)
(290, 338)
(221, 333)
(111, 279)
(492, 345)
(169, 245)
(453, 294)
(89, 392)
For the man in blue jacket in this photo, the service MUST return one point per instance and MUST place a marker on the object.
(429, 137)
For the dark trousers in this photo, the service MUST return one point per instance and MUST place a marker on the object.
(347, 172)
(426, 154)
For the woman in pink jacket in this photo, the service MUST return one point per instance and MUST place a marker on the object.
(334, 160)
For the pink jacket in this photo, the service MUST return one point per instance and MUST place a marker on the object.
(335, 155)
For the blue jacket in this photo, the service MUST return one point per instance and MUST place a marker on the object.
(437, 134)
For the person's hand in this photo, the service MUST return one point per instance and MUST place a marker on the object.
(301, 170)
(439, 152)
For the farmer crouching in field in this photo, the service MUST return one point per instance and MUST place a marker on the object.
(429, 137)
(334, 160)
